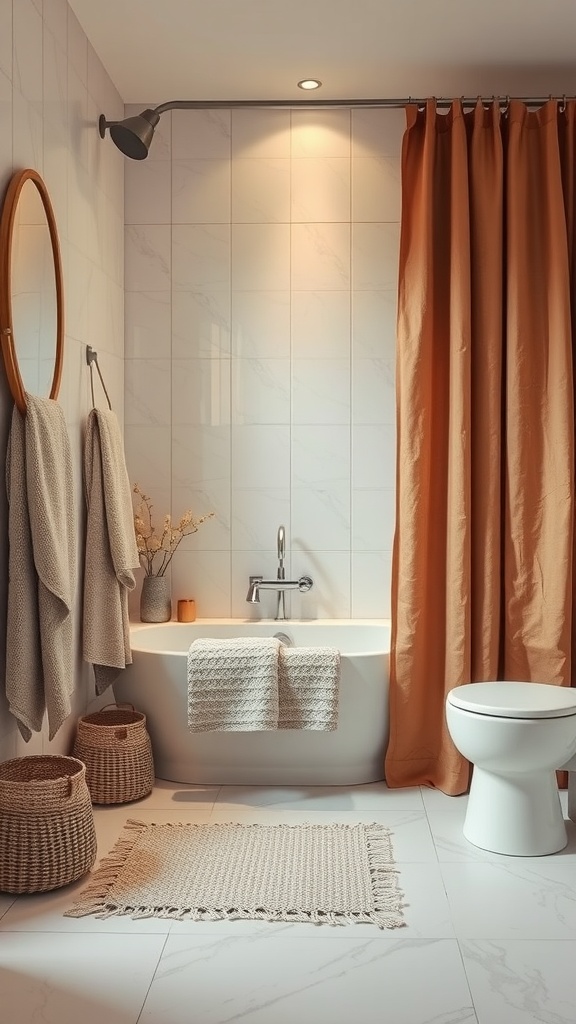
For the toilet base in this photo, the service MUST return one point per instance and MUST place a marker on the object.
(515, 814)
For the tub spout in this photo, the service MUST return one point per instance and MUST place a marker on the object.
(253, 595)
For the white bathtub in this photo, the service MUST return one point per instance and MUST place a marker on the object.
(156, 684)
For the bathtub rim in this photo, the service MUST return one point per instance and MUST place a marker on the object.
(283, 625)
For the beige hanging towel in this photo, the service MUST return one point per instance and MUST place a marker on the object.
(233, 684)
(42, 567)
(309, 688)
(111, 553)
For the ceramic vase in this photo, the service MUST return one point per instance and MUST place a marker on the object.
(155, 599)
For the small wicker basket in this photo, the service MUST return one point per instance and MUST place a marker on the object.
(47, 836)
(115, 746)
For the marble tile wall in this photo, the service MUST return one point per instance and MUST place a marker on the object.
(261, 272)
(52, 89)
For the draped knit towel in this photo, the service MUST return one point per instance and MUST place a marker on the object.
(250, 684)
(111, 552)
(233, 684)
(42, 567)
(308, 687)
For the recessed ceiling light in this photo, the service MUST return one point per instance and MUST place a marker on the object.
(309, 83)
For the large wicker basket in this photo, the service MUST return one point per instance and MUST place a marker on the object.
(115, 747)
(47, 836)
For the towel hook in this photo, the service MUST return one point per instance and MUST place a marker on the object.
(92, 357)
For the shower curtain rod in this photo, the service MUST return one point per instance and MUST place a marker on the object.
(134, 134)
(467, 101)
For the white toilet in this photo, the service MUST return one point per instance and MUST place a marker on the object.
(516, 735)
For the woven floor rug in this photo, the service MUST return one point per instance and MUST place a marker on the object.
(326, 874)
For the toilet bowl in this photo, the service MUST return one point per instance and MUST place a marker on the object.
(516, 735)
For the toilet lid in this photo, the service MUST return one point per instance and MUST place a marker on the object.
(515, 700)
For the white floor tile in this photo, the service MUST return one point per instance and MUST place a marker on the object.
(172, 796)
(67, 979)
(522, 982)
(446, 827)
(522, 898)
(372, 797)
(262, 982)
(6, 902)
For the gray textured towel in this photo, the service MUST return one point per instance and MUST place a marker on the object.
(111, 553)
(249, 684)
(42, 567)
(233, 684)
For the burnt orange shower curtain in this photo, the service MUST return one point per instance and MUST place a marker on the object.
(483, 552)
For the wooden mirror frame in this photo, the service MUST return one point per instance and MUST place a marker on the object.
(7, 219)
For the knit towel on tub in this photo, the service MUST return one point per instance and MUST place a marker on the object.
(309, 688)
(233, 684)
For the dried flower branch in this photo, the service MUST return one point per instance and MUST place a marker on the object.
(151, 545)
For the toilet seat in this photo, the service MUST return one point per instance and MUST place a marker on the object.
(515, 699)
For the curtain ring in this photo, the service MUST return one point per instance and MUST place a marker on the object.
(563, 104)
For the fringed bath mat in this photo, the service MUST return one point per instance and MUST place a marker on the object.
(326, 874)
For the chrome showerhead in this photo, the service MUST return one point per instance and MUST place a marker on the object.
(133, 135)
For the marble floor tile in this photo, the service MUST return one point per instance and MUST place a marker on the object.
(249, 978)
(174, 796)
(522, 898)
(521, 982)
(446, 828)
(76, 979)
(372, 797)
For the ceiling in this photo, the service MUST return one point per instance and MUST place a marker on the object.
(160, 50)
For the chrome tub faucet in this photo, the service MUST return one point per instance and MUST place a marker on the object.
(280, 584)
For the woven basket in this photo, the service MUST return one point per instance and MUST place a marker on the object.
(47, 836)
(115, 747)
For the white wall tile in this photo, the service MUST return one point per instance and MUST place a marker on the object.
(201, 133)
(55, 82)
(27, 53)
(147, 392)
(376, 194)
(374, 324)
(200, 257)
(373, 517)
(373, 391)
(149, 457)
(261, 391)
(371, 575)
(201, 456)
(324, 133)
(320, 324)
(321, 391)
(261, 324)
(375, 250)
(260, 190)
(373, 455)
(261, 133)
(320, 190)
(148, 257)
(321, 517)
(147, 192)
(200, 323)
(329, 598)
(147, 324)
(77, 47)
(282, 383)
(320, 455)
(55, 14)
(201, 391)
(254, 513)
(5, 130)
(6, 37)
(205, 576)
(378, 132)
(201, 191)
(320, 257)
(260, 257)
(214, 533)
(260, 456)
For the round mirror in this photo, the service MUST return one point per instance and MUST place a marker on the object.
(31, 296)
